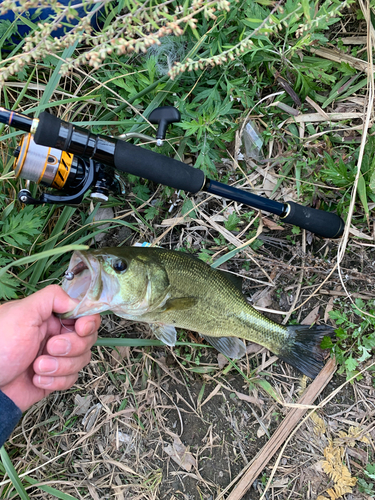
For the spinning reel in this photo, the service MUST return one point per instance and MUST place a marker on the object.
(75, 175)
(60, 155)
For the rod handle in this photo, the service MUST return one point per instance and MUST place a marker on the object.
(157, 167)
(325, 224)
(124, 156)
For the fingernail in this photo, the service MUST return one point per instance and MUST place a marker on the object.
(59, 347)
(90, 328)
(48, 365)
(45, 381)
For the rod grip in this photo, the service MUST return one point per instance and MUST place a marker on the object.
(325, 224)
(122, 155)
(157, 167)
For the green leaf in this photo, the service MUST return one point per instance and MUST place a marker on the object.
(372, 176)
(365, 354)
(306, 9)
(266, 386)
(326, 343)
(51, 491)
(232, 223)
(188, 208)
(363, 194)
(20, 229)
(151, 212)
(142, 192)
(370, 471)
(12, 473)
(351, 364)
(8, 287)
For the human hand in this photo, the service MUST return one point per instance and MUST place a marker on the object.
(38, 355)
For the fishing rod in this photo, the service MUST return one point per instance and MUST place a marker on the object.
(66, 157)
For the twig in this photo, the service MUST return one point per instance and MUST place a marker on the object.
(281, 434)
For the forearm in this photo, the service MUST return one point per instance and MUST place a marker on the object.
(10, 414)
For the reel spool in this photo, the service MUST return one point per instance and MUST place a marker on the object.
(56, 169)
(47, 166)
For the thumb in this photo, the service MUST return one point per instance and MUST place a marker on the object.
(51, 299)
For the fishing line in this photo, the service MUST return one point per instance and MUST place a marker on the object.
(64, 326)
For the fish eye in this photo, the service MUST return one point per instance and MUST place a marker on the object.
(120, 266)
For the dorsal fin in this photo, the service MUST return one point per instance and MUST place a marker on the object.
(233, 278)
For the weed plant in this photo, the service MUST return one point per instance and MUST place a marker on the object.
(217, 62)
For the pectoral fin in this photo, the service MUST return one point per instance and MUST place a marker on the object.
(233, 347)
(179, 304)
(166, 333)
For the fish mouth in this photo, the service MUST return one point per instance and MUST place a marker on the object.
(83, 282)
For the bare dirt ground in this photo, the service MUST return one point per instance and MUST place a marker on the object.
(161, 423)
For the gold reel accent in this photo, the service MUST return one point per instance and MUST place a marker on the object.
(42, 165)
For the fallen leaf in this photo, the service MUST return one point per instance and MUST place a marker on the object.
(359, 234)
(269, 182)
(311, 317)
(103, 214)
(180, 454)
(82, 403)
(309, 237)
(272, 225)
(119, 354)
(264, 300)
(109, 398)
(252, 348)
(260, 432)
(329, 307)
(280, 483)
(221, 360)
(124, 438)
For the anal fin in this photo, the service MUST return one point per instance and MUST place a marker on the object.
(166, 333)
(233, 347)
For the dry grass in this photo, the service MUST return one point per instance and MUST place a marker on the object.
(160, 423)
(142, 423)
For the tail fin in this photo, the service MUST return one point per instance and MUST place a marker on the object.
(303, 348)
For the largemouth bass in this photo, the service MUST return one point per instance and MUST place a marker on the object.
(170, 289)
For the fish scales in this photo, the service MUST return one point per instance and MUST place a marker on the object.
(221, 308)
(170, 290)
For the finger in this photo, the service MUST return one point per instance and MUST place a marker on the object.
(70, 344)
(51, 299)
(55, 383)
(60, 366)
(87, 325)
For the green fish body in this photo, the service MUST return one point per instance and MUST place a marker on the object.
(170, 290)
